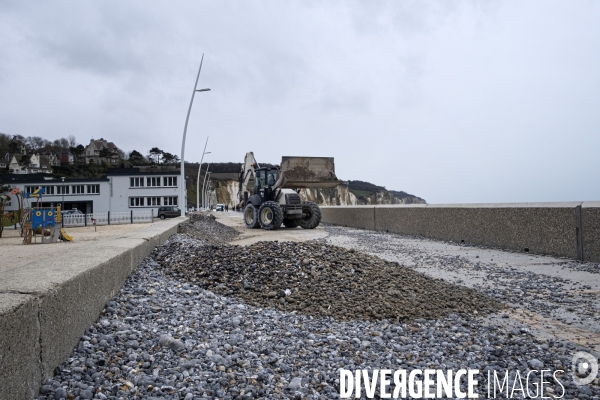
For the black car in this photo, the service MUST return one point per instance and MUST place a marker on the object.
(169, 212)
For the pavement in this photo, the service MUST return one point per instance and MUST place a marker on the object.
(283, 234)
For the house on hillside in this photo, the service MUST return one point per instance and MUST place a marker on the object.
(101, 151)
(52, 159)
(4, 161)
(29, 164)
(14, 166)
(65, 158)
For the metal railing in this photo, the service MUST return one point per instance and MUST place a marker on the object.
(108, 218)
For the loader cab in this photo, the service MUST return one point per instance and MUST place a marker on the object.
(265, 179)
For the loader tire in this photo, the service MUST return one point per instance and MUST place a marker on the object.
(251, 217)
(311, 215)
(270, 215)
(290, 223)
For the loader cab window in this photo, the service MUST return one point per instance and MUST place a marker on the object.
(260, 179)
(272, 177)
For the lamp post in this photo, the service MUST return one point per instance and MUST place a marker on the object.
(206, 174)
(183, 206)
(62, 205)
(198, 179)
(208, 194)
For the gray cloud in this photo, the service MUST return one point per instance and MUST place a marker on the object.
(453, 101)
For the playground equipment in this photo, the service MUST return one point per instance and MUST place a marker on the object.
(43, 221)
(64, 236)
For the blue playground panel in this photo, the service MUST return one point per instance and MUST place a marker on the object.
(43, 217)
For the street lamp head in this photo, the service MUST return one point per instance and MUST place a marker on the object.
(208, 152)
(203, 90)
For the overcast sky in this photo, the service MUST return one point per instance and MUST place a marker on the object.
(453, 101)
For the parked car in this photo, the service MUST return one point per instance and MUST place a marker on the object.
(71, 212)
(169, 212)
(220, 207)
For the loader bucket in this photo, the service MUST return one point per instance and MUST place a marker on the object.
(309, 172)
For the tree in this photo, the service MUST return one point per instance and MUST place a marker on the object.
(168, 158)
(19, 139)
(60, 145)
(4, 142)
(25, 160)
(136, 158)
(72, 141)
(156, 153)
(77, 152)
(106, 153)
(36, 143)
(14, 147)
(4, 198)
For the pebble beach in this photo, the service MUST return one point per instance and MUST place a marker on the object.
(203, 319)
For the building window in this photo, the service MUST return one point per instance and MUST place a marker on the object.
(136, 182)
(153, 201)
(63, 189)
(136, 201)
(170, 201)
(78, 189)
(170, 181)
(30, 189)
(93, 189)
(48, 189)
(155, 181)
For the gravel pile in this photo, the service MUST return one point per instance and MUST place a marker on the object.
(166, 338)
(319, 280)
(207, 229)
(550, 296)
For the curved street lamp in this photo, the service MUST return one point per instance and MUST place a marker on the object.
(198, 179)
(183, 191)
(206, 174)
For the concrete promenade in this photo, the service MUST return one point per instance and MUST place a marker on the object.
(566, 229)
(51, 293)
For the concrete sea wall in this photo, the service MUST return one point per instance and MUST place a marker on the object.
(567, 229)
(47, 304)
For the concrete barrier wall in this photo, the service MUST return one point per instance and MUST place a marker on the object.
(362, 217)
(542, 228)
(39, 329)
(590, 216)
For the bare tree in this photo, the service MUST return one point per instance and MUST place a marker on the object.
(72, 141)
(36, 143)
(4, 140)
(60, 145)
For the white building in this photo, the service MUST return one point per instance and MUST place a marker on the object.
(120, 190)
